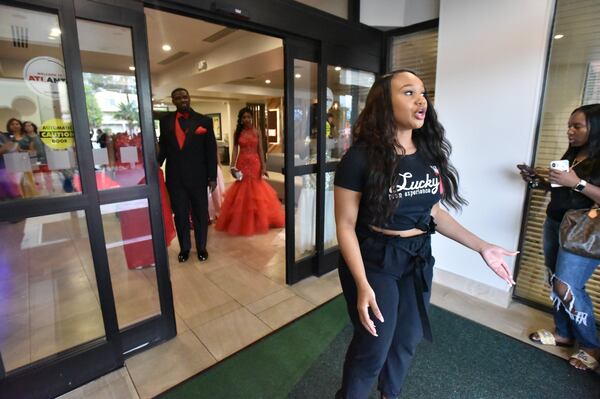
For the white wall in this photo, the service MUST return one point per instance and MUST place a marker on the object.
(397, 13)
(491, 59)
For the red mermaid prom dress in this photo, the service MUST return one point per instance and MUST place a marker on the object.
(251, 205)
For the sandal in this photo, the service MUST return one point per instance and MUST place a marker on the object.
(545, 337)
(585, 358)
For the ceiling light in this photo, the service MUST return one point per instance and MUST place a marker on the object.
(559, 36)
(131, 68)
(297, 76)
(268, 81)
(55, 32)
(166, 47)
(338, 68)
(51, 38)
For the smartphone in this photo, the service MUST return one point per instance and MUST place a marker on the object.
(562, 165)
(527, 169)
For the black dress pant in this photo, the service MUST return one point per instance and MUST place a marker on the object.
(399, 271)
(184, 199)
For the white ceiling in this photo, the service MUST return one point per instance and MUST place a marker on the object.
(232, 60)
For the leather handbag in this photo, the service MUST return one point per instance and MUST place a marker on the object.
(580, 232)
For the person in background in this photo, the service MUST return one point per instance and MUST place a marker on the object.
(330, 126)
(187, 142)
(24, 143)
(568, 273)
(388, 191)
(30, 129)
(102, 138)
(38, 156)
(251, 205)
(9, 189)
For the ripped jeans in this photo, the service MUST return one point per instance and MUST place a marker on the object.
(573, 309)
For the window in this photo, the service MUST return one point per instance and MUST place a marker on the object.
(417, 52)
(37, 149)
(572, 81)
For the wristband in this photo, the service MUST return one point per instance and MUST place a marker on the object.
(534, 183)
(580, 186)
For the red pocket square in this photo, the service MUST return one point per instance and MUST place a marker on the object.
(200, 130)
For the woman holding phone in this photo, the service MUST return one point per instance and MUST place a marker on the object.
(576, 188)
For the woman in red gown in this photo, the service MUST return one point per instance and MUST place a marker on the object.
(251, 205)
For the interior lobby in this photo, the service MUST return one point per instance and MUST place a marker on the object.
(93, 300)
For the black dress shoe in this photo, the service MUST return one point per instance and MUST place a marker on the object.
(202, 255)
(183, 256)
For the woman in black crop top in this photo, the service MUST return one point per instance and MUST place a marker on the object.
(579, 188)
(388, 189)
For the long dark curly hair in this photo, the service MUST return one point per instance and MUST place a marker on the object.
(376, 129)
(240, 126)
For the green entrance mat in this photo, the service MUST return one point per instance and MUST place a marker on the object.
(304, 361)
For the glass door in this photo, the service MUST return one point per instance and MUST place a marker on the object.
(116, 83)
(303, 235)
(83, 267)
(324, 100)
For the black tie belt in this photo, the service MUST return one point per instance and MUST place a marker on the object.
(395, 252)
(404, 256)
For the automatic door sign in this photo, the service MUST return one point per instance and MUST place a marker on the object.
(44, 75)
(57, 134)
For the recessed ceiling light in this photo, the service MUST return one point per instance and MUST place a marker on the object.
(131, 68)
(268, 81)
(166, 47)
(55, 32)
(559, 36)
(338, 68)
(297, 76)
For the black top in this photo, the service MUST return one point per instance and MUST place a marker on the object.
(563, 199)
(416, 191)
(195, 164)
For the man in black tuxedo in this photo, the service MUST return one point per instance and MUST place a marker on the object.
(188, 143)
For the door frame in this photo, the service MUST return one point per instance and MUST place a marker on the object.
(306, 50)
(64, 370)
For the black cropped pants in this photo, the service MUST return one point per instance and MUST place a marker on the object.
(400, 271)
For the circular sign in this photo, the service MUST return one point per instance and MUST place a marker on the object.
(43, 75)
(57, 134)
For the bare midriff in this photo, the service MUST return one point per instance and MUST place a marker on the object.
(400, 233)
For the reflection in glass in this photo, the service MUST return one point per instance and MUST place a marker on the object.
(573, 79)
(48, 293)
(417, 52)
(347, 91)
(306, 217)
(330, 239)
(306, 124)
(131, 260)
(112, 104)
(37, 150)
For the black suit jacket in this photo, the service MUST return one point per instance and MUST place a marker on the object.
(196, 163)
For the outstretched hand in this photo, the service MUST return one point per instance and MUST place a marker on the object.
(493, 256)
